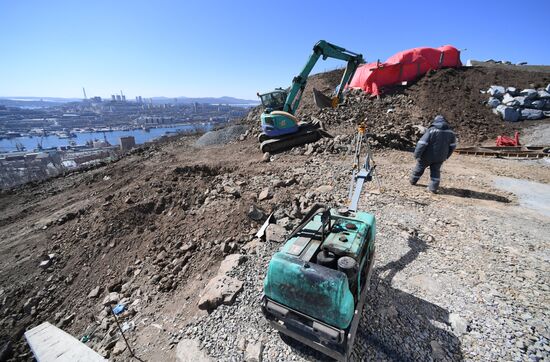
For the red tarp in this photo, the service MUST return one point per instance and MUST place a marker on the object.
(404, 66)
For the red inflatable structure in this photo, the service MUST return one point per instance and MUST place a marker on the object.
(404, 66)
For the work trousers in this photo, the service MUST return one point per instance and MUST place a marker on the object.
(435, 173)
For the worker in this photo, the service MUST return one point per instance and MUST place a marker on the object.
(433, 148)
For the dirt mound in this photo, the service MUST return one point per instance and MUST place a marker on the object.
(221, 136)
(401, 111)
(455, 93)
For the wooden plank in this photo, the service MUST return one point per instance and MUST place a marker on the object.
(51, 344)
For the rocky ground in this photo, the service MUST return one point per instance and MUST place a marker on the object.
(169, 233)
(459, 275)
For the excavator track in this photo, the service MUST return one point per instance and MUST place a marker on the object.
(274, 145)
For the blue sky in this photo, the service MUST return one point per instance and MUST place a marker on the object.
(235, 48)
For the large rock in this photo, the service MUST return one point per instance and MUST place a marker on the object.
(459, 324)
(111, 298)
(230, 262)
(323, 189)
(188, 350)
(94, 293)
(275, 233)
(543, 94)
(496, 91)
(255, 213)
(529, 93)
(254, 352)
(513, 91)
(521, 101)
(265, 194)
(510, 101)
(508, 114)
(531, 114)
(220, 290)
(539, 103)
(493, 102)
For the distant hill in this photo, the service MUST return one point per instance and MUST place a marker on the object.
(209, 100)
(56, 101)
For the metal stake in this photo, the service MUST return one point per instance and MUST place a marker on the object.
(121, 332)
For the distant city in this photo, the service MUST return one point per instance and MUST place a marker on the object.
(43, 137)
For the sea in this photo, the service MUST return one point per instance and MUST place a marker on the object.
(113, 137)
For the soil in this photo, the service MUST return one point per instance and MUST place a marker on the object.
(453, 93)
(153, 227)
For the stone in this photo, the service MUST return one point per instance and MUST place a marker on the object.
(539, 103)
(119, 347)
(510, 101)
(275, 233)
(230, 262)
(531, 114)
(513, 91)
(493, 102)
(161, 256)
(509, 114)
(94, 293)
(253, 352)
(323, 189)
(255, 213)
(45, 264)
(290, 182)
(220, 290)
(188, 350)
(496, 91)
(232, 191)
(529, 93)
(266, 157)
(520, 100)
(543, 94)
(265, 194)
(547, 88)
(458, 324)
(111, 298)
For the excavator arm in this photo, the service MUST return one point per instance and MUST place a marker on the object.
(325, 50)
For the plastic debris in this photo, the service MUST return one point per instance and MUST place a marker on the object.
(119, 309)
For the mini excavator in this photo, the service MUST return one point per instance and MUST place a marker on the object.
(317, 283)
(280, 128)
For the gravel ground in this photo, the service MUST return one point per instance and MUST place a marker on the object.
(466, 280)
(221, 137)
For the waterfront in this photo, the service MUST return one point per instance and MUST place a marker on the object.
(140, 135)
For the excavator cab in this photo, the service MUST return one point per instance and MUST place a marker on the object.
(274, 101)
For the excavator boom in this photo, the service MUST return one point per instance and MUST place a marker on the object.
(281, 130)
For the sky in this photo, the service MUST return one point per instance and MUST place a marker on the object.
(237, 48)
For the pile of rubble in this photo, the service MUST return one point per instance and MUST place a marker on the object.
(514, 105)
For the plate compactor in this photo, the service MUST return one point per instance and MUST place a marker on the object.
(317, 283)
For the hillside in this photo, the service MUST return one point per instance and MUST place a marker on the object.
(458, 275)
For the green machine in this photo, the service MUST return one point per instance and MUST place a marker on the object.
(280, 128)
(317, 283)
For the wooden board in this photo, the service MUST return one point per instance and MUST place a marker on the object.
(49, 343)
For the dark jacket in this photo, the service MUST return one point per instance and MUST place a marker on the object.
(437, 144)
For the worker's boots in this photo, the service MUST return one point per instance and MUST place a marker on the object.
(433, 186)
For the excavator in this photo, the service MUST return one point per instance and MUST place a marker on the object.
(317, 283)
(280, 128)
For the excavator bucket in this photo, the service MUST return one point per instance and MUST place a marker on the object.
(321, 100)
